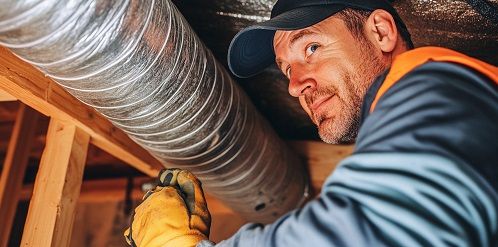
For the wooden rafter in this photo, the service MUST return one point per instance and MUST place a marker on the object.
(57, 186)
(29, 85)
(4, 96)
(14, 168)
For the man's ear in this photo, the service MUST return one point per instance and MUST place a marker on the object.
(382, 28)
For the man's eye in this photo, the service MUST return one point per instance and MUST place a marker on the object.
(288, 71)
(311, 49)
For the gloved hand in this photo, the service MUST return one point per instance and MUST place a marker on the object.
(175, 213)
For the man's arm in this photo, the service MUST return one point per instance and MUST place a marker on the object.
(421, 174)
(416, 176)
(374, 200)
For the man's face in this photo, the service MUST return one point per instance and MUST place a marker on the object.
(330, 71)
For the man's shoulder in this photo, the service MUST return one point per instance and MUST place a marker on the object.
(415, 59)
(406, 62)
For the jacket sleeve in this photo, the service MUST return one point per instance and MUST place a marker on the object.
(416, 177)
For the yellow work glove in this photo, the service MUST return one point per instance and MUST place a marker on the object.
(175, 213)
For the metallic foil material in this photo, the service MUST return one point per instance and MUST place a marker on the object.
(139, 63)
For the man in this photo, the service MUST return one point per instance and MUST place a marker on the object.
(424, 121)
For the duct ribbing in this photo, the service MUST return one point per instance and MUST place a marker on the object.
(139, 64)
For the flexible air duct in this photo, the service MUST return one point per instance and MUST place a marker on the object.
(139, 64)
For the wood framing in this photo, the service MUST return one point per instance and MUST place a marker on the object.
(29, 85)
(113, 190)
(14, 168)
(4, 96)
(57, 186)
(73, 125)
(322, 159)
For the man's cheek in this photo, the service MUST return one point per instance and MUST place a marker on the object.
(304, 105)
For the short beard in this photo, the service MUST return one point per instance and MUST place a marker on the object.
(343, 128)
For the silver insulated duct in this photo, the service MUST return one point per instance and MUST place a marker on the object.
(139, 64)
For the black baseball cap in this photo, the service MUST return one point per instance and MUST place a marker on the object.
(251, 50)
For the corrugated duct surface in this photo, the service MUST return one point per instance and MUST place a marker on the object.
(139, 64)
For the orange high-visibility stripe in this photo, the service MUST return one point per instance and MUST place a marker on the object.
(409, 60)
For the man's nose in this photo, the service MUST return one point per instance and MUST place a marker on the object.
(301, 81)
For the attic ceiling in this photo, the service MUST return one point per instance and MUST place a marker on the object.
(468, 26)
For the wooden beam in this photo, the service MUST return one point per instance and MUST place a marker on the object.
(113, 190)
(321, 158)
(57, 186)
(14, 168)
(4, 96)
(30, 86)
(224, 222)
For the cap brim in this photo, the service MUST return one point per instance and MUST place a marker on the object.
(251, 50)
